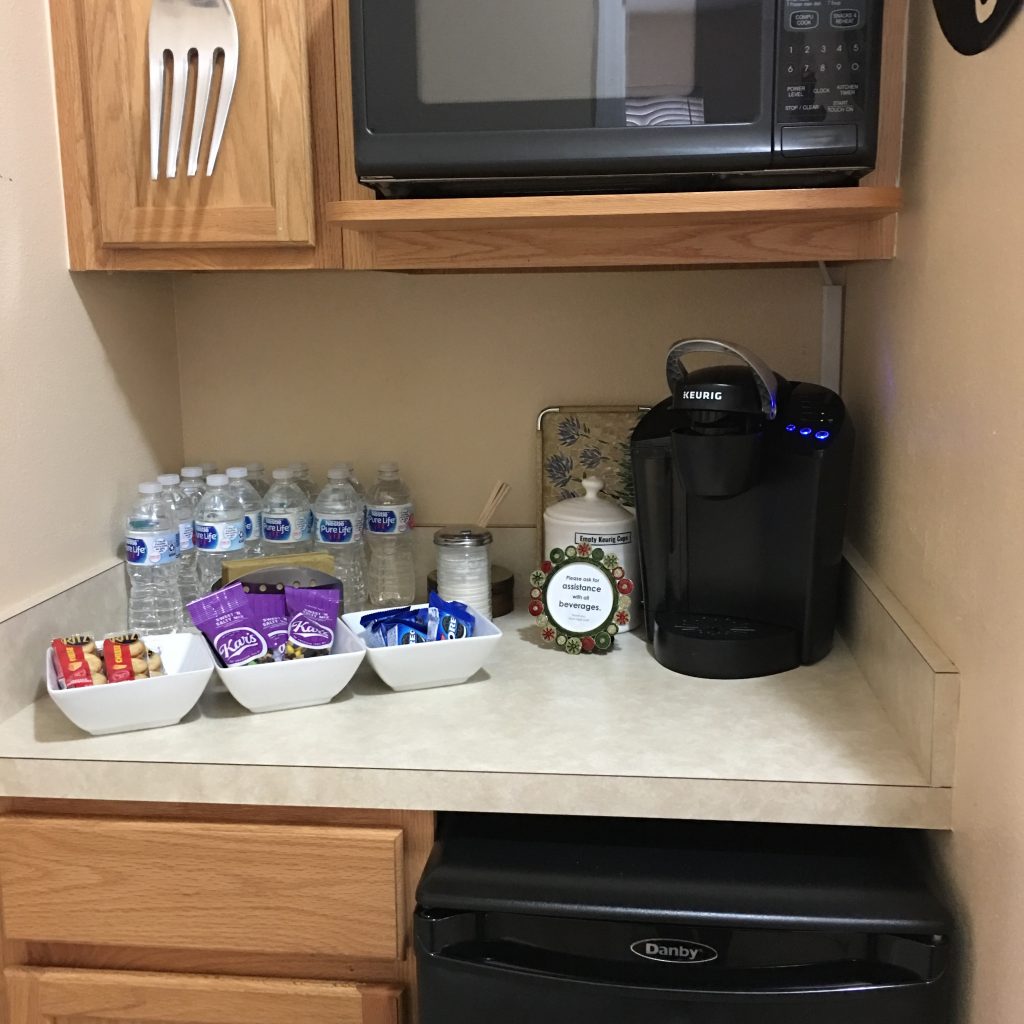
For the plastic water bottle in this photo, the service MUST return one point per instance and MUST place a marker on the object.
(338, 530)
(188, 580)
(209, 469)
(253, 505)
(193, 483)
(151, 557)
(258, 478)
(220, 529)
(286, 516)
(389, 523)
(350, 473)
(300, 476)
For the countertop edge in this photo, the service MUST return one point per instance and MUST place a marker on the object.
(918, 807)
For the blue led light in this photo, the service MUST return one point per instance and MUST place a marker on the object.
(806, 431)
(791, 427)
(822, 435)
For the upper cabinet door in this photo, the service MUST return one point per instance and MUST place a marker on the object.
(261, 191)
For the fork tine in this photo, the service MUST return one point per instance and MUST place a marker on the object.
(227, 89)
(179, 80)
(156, 111)
(204, 82)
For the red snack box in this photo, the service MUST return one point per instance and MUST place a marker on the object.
(72, 667)
(118, 658)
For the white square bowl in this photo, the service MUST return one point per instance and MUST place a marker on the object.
(141, 703)
(441, 663)
(305, 683)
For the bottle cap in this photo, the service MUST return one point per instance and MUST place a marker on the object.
(150, 487)
(346, 466)
(462, 537)
(388, 469)
(209, 468)
(168, 479)
(299, 467)
(191, 472)
(217, 480)
(256, 468)
(283, 474)
(337, 474)
(237, 473)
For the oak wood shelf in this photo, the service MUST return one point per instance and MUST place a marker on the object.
(774, 226)
(782, 206)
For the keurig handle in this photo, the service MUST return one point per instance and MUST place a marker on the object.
(767, 383)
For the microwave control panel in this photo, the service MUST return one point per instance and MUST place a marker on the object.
(827, 76)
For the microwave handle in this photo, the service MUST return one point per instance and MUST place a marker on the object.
(767, 382)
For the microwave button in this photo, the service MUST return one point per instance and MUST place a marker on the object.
(801, 21)
(819, 138)
(845, 19)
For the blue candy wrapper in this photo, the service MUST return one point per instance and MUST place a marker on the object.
(455, 620)
(400, 627)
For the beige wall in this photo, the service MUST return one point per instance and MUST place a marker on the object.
(935, 375)
(87, 367)
(447, 373)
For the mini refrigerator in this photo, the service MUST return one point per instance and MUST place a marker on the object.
(535, 920)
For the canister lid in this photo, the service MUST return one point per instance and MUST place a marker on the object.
(594, 509)
(462, 537)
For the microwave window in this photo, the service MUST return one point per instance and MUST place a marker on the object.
(478, 65)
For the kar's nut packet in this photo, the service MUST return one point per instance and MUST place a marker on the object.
(312, 619)
(226, 619)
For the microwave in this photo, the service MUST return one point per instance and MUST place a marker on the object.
(535, 97)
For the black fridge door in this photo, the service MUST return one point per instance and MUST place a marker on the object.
(486, 991)
(478, 88)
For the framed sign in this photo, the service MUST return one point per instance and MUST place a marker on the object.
(972, 26)
(580, 597)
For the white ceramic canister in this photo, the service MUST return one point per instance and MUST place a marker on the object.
(597, 521)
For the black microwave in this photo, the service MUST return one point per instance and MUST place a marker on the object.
(533, 97)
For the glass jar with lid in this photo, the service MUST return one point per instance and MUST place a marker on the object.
(464, 566)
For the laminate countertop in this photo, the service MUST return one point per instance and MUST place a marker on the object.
(536, 731)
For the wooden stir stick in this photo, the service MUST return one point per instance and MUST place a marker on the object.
(498, 495)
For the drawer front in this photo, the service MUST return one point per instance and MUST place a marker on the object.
(99, 997)
(165, 884)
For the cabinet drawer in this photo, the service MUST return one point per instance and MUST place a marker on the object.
(166, 884)
(98, 997)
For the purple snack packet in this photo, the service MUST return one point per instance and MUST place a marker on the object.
(312, 618)
(270, 609)
(226, 620)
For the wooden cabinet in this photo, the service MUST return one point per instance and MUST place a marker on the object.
(184, 914)
(98, 997)
(285, 194)
(261, 206)
(282, 889)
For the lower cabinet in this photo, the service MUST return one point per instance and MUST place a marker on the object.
(189, 914)
(55, 996)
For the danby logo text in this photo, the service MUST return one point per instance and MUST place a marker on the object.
(674, 951)
(699, 396)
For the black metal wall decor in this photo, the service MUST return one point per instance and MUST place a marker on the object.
(972, 26)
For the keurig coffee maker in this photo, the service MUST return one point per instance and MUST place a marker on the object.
(741, 487)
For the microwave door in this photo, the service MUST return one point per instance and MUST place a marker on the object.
(482, 88)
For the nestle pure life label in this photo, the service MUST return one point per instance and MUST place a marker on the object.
(384, 519)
